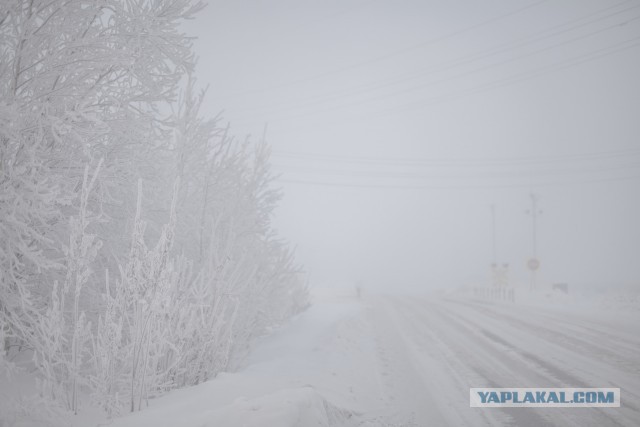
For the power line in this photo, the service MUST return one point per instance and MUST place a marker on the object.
(466, 73)
(600, 53)
(486, 161)
(457, 187)
(393, 53)
(571, 167)
(465, 174)
(371, 87)
(331, 16)
(490, 174)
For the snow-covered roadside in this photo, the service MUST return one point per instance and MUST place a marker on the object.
(407, 361)
(313, 371)
(618, 301)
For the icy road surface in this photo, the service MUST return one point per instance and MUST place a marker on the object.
(431, 351)
(409, 361)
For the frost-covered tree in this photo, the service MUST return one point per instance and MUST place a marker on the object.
(117, 290)
(62, 333)
(79, 81)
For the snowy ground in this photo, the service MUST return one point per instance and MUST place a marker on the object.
(410, 361)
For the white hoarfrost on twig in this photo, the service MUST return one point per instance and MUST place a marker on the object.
(109, 289)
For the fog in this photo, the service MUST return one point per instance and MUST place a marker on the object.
(359, 213)
(396, 125)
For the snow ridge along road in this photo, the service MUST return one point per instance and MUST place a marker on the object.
(406, 361)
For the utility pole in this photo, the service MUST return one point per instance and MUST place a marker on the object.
(534, 263)
(493, 234)
(499, 273)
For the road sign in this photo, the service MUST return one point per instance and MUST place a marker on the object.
(533, 264)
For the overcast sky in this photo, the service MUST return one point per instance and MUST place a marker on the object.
(397, 124)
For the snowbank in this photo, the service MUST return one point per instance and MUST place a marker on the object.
(313, 371)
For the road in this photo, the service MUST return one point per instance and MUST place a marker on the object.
(409, 361)
(430, 351)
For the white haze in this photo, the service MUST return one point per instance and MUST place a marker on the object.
(147, 276)
(474, 103)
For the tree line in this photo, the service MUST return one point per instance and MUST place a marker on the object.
(136, 251)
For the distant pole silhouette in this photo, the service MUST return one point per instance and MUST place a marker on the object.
(534, 263)
(493, 234)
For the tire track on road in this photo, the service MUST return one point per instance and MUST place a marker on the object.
(463, 365)
(480, 351)
(594, 343)
(622, 371)
(542, 363)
